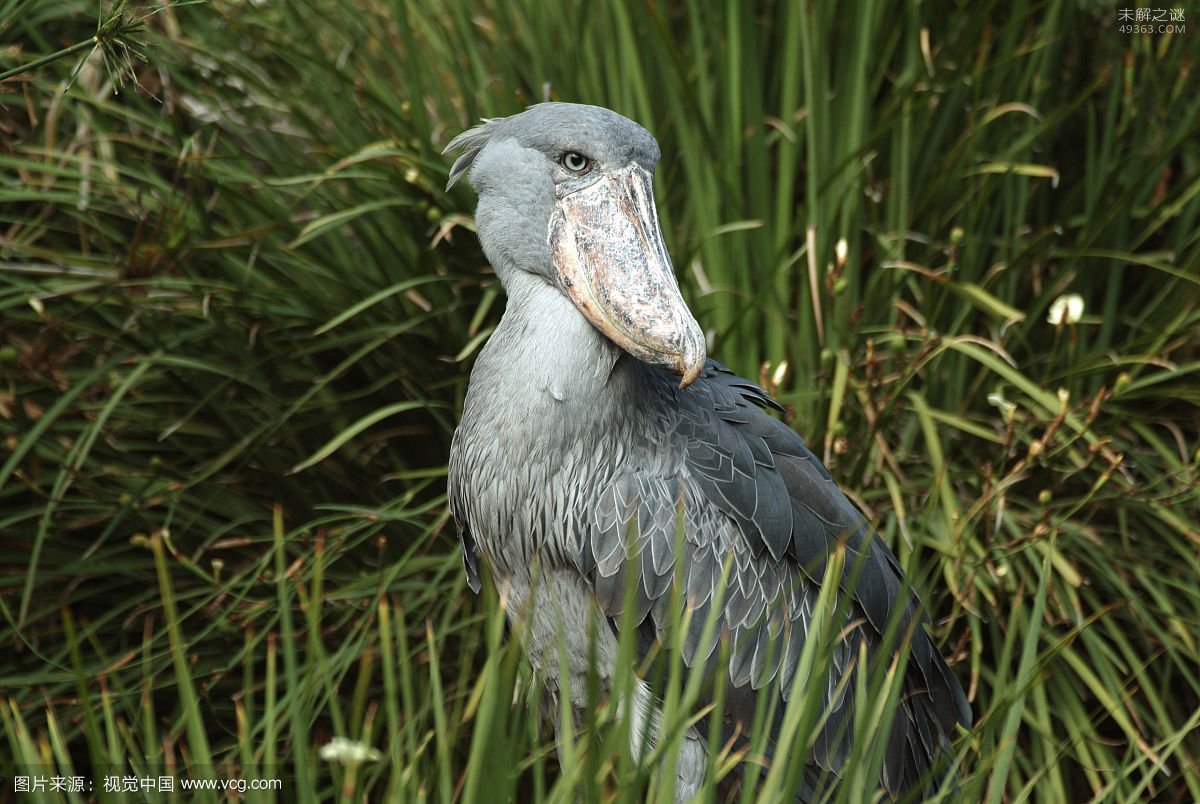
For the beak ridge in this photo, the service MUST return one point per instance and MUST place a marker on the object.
(611, 261)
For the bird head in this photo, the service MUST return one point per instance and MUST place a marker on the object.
(566, 193)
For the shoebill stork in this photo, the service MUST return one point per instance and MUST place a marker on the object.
(599, 450)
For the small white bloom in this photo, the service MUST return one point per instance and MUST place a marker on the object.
(1007, 409)
(1067, 309)
(842, 250)
(780, 373)
(348, 752)
(1064, 397)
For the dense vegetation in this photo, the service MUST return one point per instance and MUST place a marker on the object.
(238, 310)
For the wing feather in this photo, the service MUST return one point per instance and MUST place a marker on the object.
(751, 493)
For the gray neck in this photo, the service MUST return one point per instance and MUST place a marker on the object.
(552, 409)
(544, 359)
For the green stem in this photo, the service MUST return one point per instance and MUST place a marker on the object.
(93, 42)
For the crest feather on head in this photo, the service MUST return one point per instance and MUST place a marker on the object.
(470, 142)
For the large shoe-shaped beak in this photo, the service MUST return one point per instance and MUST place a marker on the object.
(611, 260)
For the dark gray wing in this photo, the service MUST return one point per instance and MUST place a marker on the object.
(459, 508)
(749, 491)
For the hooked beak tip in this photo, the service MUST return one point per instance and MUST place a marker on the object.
(691, 374)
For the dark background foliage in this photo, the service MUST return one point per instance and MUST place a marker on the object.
(238, 312)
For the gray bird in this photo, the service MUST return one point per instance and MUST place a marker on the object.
(595, 426)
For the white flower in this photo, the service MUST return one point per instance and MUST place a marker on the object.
(1007, 409)
(1067, 309)
(780, 373)
(348, 752)
(841, 251)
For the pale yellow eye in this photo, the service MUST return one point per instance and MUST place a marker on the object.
(576, 162)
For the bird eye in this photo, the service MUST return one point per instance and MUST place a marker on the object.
(575, 162)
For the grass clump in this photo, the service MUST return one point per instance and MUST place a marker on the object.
(238, 311)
